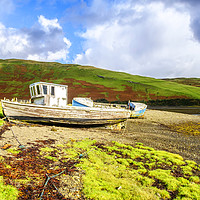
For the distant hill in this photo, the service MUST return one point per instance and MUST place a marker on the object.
(88, 81)
(186, 81)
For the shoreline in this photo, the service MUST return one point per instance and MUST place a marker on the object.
(178, 109)
(154, 130)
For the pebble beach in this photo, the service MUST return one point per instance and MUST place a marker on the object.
(156, 130)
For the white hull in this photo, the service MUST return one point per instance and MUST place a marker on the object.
(67, 115)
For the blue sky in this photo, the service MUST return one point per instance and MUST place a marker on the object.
(156, 38)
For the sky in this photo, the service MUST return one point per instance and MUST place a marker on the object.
(154, 38)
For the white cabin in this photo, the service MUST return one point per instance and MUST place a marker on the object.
(49, 94)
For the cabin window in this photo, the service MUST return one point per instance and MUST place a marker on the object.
(52, 90)
(38, 89)
(33, 91)
(44, 89)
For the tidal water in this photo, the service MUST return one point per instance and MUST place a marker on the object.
(181, 109)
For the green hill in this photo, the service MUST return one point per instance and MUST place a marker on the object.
(186, 81)
(88, 81)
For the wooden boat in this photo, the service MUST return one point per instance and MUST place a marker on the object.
(49, 104)
(67, 115)
(83, 102)
(137, 109)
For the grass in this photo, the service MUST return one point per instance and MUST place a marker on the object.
(1, 115)
(186, 81)
(111, 170)
(16, 75)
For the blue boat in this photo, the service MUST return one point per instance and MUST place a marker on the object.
(137, 109)
(82, 102)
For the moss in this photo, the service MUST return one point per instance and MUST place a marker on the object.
(120, 171)
(1, 159)
(71, 153)
(7, 166)
(123, 161)
(1, 122)
(170, 158)
(145, 181)
(1, 115)
(85, 144)
(7, 191)
(192, 164)
(51, 158)
(161, 194)
(47, 149)
(183, 181)
(103, 181)
(150, 165)
(194, 179)
(191, 191)
(60, 145)
(187, 170)
(23, 181)
(13, 151)
(188, 128)
(166, 178)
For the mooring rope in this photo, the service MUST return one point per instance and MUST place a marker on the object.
(20, 145)
(49, 179)
(83, 155)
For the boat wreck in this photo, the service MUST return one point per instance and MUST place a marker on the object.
(49, 104)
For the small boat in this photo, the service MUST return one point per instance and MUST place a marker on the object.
(49, 104)
(83, 102)
(138, 109)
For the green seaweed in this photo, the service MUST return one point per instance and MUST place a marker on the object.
(112, 171)
(13, 151)
(119, 171)
(7, 192)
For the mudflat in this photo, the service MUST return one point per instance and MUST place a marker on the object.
(158, 129)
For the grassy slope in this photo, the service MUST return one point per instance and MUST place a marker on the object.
(16, 75)
(186, 81)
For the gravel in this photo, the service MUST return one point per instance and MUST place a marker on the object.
(153, 130)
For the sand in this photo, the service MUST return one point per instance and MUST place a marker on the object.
(153, 130)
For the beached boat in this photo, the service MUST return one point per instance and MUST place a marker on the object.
(49, 104)
(137, 109)
(83, 102)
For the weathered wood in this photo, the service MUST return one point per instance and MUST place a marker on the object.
(68, 115)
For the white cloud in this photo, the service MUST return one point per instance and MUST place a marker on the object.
(45, 41)
(146, 39)
(12, 41)
(48, 24)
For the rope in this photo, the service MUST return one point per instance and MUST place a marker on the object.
(49, 179)
(83, 155)
(20, 145)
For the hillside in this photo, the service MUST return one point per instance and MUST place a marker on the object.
(186, 81)
(88, 81)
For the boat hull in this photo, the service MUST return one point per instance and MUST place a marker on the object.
(139, 113)
(139, 110)
(72, 115)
